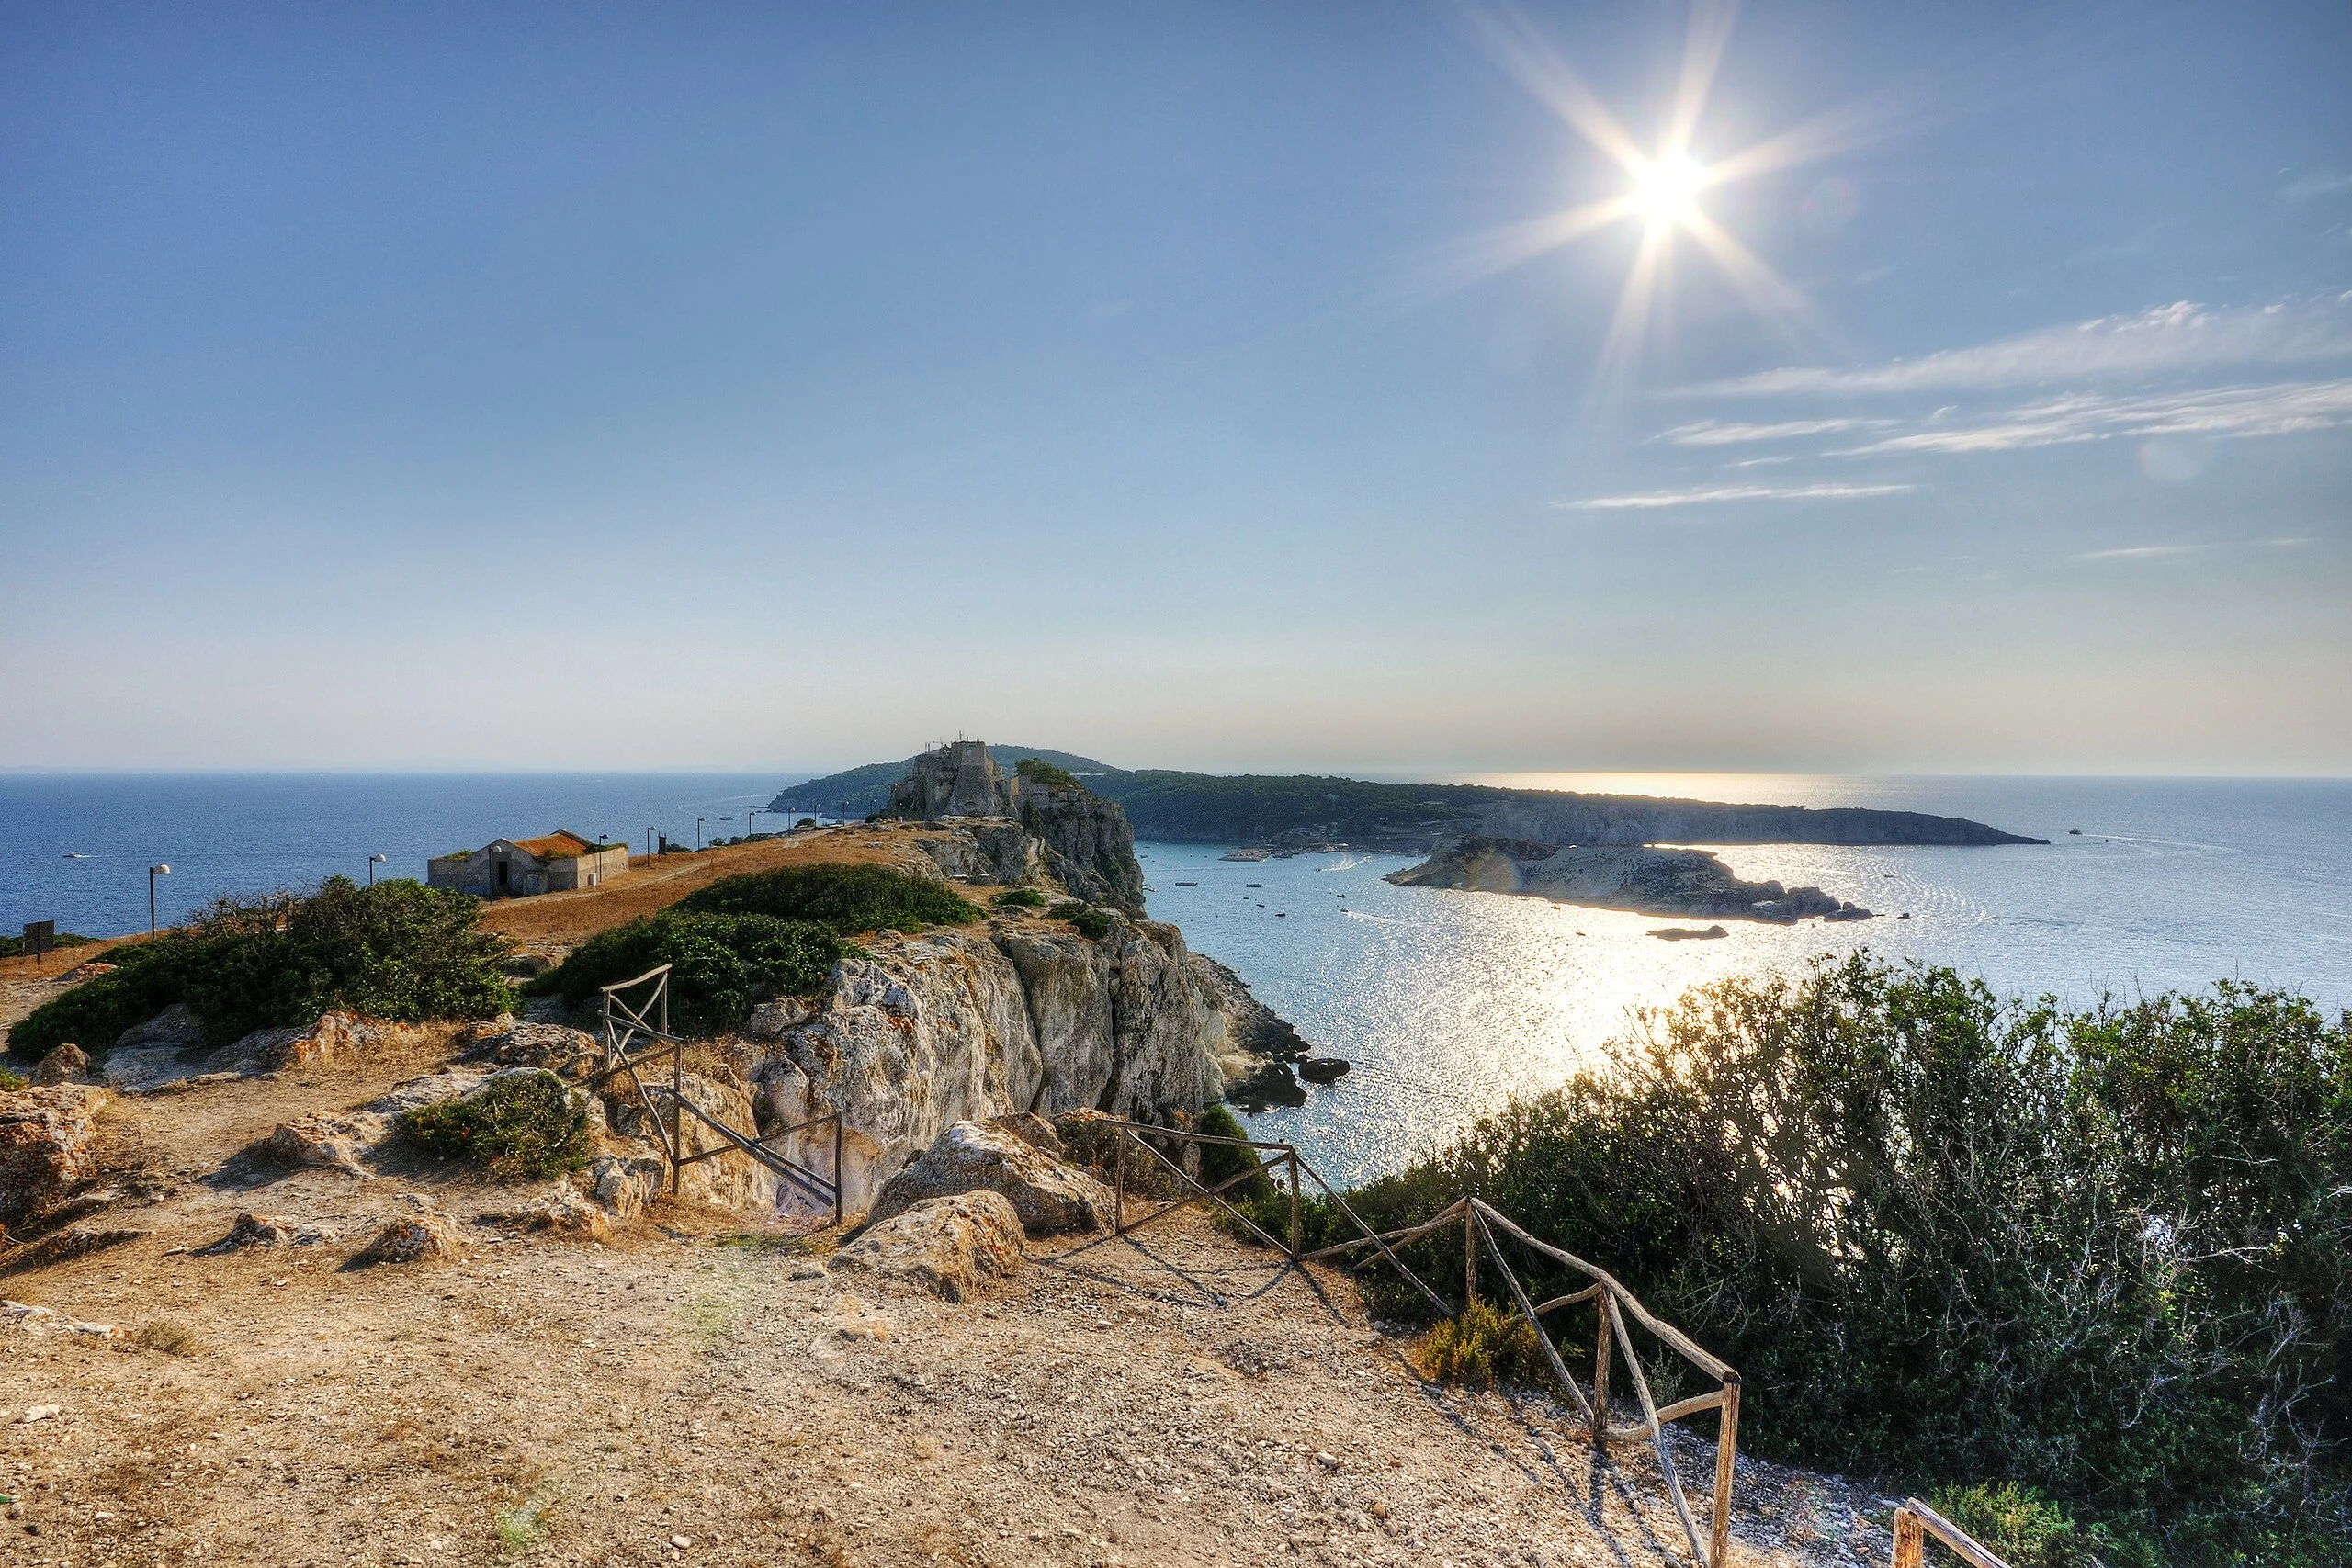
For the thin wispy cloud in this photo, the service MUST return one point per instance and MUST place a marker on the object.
(1710, 433)
(2222, 412)
(2177, 337)
(1717, 494)
(2319, 182)
(2140, 552)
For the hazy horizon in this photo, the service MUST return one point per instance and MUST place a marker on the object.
(1378, 390)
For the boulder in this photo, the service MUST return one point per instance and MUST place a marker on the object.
(414, 1238)
(563, 1209)
(524, 1042)
(327, 1140)
(49, 1320)
(48, 1138)
(333, 1039)
(1033, 1129)
(266, 1230)
(727, 1180)
(175, 1027)
(626, 1183)
(62, 1065)
(958, 1247)
(1048, 1196)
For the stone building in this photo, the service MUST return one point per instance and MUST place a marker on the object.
(960, 779)
(514, 868)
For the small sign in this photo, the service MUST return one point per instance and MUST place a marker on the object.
(39, 937)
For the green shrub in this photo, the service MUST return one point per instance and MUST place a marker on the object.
(518, 1126)
(1484, 1346)
(1221, 1162)
(13, 946)
(2104, 1254)
(1092, 922)
(2024, 1528)
(1037, 771)
(398, 950)
(721, 965)
(844, 898)
(1018, 899)
(11, 1082)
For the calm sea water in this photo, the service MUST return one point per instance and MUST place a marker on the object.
(255, 833)
(1446, 1002)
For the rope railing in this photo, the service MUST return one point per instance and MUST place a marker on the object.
(624, 1025)
(1484, 1228)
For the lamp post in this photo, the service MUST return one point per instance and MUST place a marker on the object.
(751, 813)
(153, 872)
(373, 862)
(698, 835)
(649, 843)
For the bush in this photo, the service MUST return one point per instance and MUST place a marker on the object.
(1485, 1346)
(521, 1125)
(1221, 1162)
(844, 898)
(11, 1082)
(1092, 922)
(2024, 1528)
(2105, 1254)
(1018, 899)
(13, 946)
(1037, 771)
(398, 950)
(720, 965)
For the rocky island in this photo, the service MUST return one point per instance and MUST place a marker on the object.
(1639, 878)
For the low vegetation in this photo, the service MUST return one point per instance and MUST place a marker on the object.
(13, 946)
(2092, 1271)
(1485, 1346)
(11, 1082)
(721, 966)
(846, 900)
(397, 951)
(1092, 922)
(520, 1126)
(1037, 771)
(1018, 899)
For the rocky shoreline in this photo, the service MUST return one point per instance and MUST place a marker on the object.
(1641, 879)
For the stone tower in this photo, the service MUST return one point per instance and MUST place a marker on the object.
(960, 779)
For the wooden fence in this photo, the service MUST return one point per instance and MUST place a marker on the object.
(666, 1105)
(1915, 1522)
(1483, 1228)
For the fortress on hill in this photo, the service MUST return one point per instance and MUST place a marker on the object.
(960, 779)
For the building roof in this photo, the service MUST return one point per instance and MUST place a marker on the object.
(560, 845)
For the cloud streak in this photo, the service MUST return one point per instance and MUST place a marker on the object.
(2222, 412)
(1717, 494)
(2181, 336)
(1710, 433)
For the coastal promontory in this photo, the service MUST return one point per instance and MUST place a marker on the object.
(1639, 878)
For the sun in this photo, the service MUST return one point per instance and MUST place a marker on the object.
(1666, 190)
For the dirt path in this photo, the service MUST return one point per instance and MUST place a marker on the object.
(1171, 1397)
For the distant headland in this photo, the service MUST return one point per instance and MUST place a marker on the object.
(1304, 813)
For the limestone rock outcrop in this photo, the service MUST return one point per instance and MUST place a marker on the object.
(968, 1023)
(48, 1146)
(423, 1233)
(959, 1247)
(1050, 1196)
(62, 1065)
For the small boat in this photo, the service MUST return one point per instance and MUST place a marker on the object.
(1188, 885)
(76, 854)
(1253, 884)
(2074, 832)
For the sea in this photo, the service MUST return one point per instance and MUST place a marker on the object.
(1444, 1003)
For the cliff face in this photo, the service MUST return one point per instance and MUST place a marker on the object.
(1087, 845)
(964, 1025)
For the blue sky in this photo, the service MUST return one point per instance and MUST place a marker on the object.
(785, 386)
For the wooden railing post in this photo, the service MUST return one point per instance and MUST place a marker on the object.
(838, 1183)
(1119, 1194)
(1910, 1540)
(1603, 1341)
(1293, 1205)
(1726, 1453)
(1469, 1259)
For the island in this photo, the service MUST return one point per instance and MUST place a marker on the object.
(1641, 879)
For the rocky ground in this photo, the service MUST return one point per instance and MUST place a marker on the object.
(701, 1388)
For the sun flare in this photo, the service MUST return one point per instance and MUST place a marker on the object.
(1666, 190)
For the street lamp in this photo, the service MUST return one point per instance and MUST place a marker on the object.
(749, 813)
(649, 843)
(373, 862)
(153, 872)
(698, 835)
